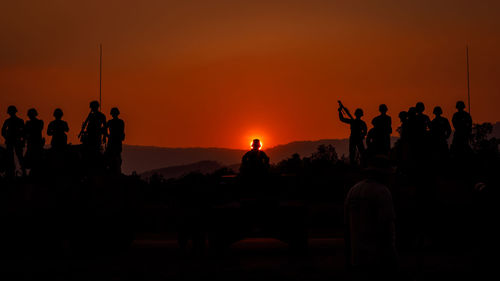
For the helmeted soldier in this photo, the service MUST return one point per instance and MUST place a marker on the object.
(34, 140)
(58, 129)
(255, 163)
(13, 133)
(422, 121)
(93, 133)
(382, 125)
(358, 132)
(116, 135)
(462, 122)
(440, 131)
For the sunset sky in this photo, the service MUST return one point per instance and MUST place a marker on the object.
(219, 73)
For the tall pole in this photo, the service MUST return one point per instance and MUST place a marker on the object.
(100, 76)
(468, 79)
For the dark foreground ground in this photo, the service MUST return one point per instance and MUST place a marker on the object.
(153, 257)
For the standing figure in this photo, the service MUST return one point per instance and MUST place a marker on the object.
(255, 163)
(440, 131)
(358, 132)
(116, 135)
(93, 133)
(57, 129)
(13, 133)
(462, 122)
(370, 224)
(382, 125)
(34, 140)
(422, 122)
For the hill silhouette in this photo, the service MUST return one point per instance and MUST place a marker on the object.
(204, 167)
(146, 158)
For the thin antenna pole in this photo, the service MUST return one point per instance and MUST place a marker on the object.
(468, 79)
(100, 76)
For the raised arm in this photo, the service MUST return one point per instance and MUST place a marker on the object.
(342, 118)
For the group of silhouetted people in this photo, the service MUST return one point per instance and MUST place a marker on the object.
(419, 134)
(25, 141)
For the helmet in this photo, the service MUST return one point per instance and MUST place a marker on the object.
(382, 108)
(11, 109)
(58, 113)
(437, 110)
(32, 113)
(94, 105)
(256, 144)
(460, 105)
(358, 112)
(114, 111)
(420, 107)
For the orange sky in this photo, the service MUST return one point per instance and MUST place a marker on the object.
(217, 73)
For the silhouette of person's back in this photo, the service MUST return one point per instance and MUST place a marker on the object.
(58, 129)
(13, 133)
(255, 163)
(93, 132)
(116, 135)
(382, 125)
(370, 223)
(462, 122)
(358, 132)
(34, 140)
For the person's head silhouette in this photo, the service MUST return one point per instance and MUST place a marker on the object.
(114, 112)
(94, 106)
(460, 105)
(382, 108)
(256, 145)
(12, 110)
(437, 111)
(358, 113)
(58, 113)
(420, 107)
(32, 113)
(403, 115)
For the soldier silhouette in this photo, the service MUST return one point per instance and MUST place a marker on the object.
(382, 126)
(403, 129)
(462, 122)
(422, 121)
(57, 129)
(34, 140)
(255, 163)
(358, 131)
(13, 133)
(93, 133)
(116, 135)
(440, 131)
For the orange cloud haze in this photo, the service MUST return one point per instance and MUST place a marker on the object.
(218, 73)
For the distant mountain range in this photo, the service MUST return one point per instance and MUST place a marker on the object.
(142, 159)
(178, 161)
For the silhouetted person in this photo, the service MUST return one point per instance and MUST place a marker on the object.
(403, 129)
(422, 121)
(255, 163)
(13, 133)
(370, 228)
(440, 131)
(462, 122)
(93, 132)
(116, 135)
(34, 140)
(57, 129)
(383, 130)
(358, 132)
